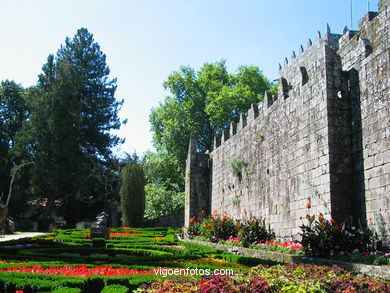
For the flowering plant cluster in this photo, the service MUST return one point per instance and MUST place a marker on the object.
(77, 271)
(221, 227)
(209, 261)
(286, 246)
(124, 233)
(21, 245)
(322, 237)
(286, 278)
(172, 245)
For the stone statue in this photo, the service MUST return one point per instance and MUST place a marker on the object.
(101, 220)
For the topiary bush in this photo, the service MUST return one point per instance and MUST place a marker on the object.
(132, 194)
(115, 289)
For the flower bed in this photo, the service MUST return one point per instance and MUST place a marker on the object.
(69, 259)
(286, 278)
(320, 237)
(77, 271)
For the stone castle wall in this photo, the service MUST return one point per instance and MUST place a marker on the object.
(324, 138)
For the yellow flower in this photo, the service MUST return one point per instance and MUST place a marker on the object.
(207, 261)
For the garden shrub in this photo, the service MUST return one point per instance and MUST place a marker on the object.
(66, 290)
(93, 285)
(218, 228)
(115, 289)
(247, 260)
(99, 242)
(132, 194)
(253, 230)
(321, 237)
(24, 225)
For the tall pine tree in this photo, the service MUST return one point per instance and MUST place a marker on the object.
(68, 134)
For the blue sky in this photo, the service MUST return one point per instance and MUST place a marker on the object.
(145, 40)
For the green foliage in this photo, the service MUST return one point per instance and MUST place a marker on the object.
(66, 290)
(13, 112)
(278, 278)
(24, 225)
(253, 230)
(203, 103)
(115, 289)
(320, 237)
(160, 201)
(222, 228)
(218, 228)
(67, 136)
(164, 189)
(274, 89)
(164, 170)
(99, 242)
(132, 193)
(238, 166)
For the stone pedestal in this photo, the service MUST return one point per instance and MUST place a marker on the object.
(100, 232)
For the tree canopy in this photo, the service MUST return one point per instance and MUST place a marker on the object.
(202, 103)
(67, 136)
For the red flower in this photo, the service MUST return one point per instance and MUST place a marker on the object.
(308, 204)
(209, 225)
(337, 228)
(78, 271)
(331, 221)
(124, 233)
(192, 219)
(370, 219)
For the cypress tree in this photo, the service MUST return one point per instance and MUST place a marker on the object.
(132, 195)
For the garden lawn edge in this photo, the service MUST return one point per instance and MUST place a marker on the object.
(374, 271)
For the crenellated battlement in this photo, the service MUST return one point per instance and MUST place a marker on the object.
(298, 65)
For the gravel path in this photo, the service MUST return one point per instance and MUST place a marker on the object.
(19, 235)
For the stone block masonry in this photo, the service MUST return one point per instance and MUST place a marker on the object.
(325, 138)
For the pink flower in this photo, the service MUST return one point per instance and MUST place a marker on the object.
(342, 253)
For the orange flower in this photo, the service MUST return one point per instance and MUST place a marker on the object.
(215, 211)
(331, 221)
(192, 219)
(308, 204)
(370, 219)
(321, 217)
(209, 225)
(337, 228)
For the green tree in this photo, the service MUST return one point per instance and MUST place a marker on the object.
(202, 104)
(67, 136)
(162, 201)
(13, 112)
(165, 184)
(132, 194)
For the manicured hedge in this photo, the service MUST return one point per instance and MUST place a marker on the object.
(135, 248)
